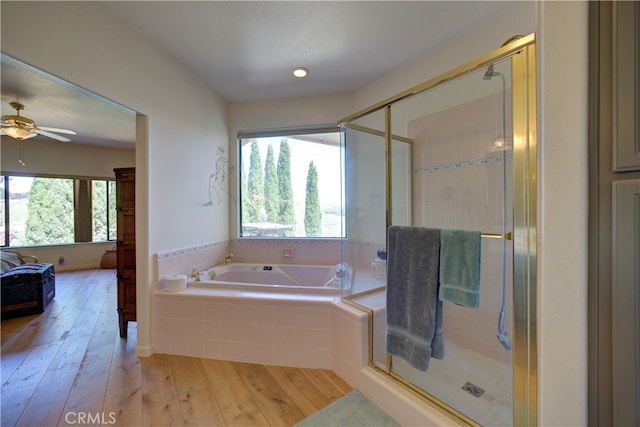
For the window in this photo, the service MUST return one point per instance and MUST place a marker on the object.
(103, 198)
(292, 184)
(47, 210)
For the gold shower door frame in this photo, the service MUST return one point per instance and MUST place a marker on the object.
(522, 53)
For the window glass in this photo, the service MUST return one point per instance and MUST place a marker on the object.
(103, 200)
(292, 186)
(41, 211)
(111, 200)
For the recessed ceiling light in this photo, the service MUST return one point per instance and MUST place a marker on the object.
(300, 72)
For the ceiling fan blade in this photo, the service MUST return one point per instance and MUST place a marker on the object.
(53, 135)
(67, 131)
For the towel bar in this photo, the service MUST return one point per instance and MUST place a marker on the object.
(508, 235)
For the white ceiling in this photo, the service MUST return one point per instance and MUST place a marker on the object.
(245, 50)
(53, 102)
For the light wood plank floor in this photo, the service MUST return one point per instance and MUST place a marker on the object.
(68, 366)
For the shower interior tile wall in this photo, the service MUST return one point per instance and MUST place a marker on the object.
(458, 183)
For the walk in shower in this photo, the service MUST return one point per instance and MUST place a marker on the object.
(457, 152)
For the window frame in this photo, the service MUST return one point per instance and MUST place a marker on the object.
(80, 216)
(284, 133)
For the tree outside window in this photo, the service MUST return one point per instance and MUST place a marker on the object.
(297, 191)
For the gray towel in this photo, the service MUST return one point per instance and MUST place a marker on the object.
(414, 312)
(460, 267)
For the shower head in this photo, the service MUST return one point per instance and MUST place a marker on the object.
(490, 73)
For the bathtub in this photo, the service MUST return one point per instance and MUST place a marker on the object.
(307, 279)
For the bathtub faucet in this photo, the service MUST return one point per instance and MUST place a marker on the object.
(228, 259)
(195, 274)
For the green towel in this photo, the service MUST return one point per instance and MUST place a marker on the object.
(460, 267)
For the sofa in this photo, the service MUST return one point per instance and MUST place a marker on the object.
(28, 286)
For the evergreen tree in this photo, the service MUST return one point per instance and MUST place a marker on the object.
(99, 210)
(50, 212)
(103, 199)
(271, 199)
(255, 186)
(286, 214)
(113, 214)
(312, 213)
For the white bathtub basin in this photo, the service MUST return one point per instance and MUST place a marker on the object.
(274, 277)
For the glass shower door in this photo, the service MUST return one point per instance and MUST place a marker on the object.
(462, 180)
(373, 171)
(470, 168)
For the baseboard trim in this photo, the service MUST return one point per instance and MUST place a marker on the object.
(144, 350)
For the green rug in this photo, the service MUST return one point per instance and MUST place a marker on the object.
(350, 411)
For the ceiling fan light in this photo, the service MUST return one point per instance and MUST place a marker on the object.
(19, 133)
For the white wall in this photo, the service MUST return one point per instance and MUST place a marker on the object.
(562, 39)
(519, 19)
(54, 158)
(291, 112)
(84, 43)
(78, 256)
(562, 210)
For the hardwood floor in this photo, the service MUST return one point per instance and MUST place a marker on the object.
(68, 366)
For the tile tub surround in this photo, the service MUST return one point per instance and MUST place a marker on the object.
(183, 261)
(305, 251)
(272, 329)
(282, 329)
(350, 342)
(276, 251)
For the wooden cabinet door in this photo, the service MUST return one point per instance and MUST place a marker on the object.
(126, 247)
(126, 188)
(625, 310)
(626, 83)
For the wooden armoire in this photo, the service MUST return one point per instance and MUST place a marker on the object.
(126, 246)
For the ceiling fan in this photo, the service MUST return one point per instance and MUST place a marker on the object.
(21, 128)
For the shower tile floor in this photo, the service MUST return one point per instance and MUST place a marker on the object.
(446, 378)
